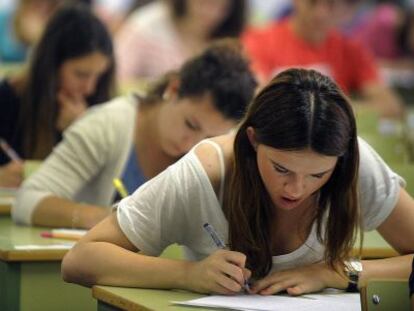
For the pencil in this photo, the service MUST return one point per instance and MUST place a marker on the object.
(9, 151)
(119, 186)
(63, 234)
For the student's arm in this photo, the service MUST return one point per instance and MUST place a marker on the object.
(382, 99)
(11, 174)
(149, 220)
(367, 82)
(398, 230)
(47, 198)
(105, 256)
(69, 214)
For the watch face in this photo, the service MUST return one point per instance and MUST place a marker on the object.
(356, 265)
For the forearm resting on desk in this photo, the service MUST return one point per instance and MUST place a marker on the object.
(105, 256)
(57, 212)
(104, 263)
(395, 268)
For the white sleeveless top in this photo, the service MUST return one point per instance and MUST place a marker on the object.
(173, 206)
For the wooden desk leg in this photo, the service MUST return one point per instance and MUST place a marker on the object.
(9, 286)
(102, 306)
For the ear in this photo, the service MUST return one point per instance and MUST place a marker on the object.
(171, 91)
(251, 135)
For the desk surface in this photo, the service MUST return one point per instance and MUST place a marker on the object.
(5, 209)
(13, 237)
(143, 299)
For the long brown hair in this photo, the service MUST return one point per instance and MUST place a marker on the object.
(299, 109)
(72, 32)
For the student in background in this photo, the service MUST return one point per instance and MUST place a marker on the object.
(161, 35)
(114, 13)
(136, 138)
(21, 27)
(308, 39)
(284, 193)
(72, 68)
(388, 32)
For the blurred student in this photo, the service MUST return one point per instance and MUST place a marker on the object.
(135, 138)
(288, 193)
(388, 32)
(72, 68)
(307, 39)
(114, 13)
(21, 27)
(161, 35)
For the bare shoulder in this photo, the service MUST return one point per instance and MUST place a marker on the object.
(209, 158)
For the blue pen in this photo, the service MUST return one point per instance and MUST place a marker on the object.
(220, 244)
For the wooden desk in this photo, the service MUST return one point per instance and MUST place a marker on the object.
(6, 202)
(30, 278)
(120, 298)
(5, 209)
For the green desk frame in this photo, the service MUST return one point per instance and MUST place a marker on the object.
(385, 295)
(5, 210)
(30, 279)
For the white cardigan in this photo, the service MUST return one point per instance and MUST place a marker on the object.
(94, 150)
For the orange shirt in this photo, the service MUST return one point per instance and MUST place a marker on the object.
(277, 48)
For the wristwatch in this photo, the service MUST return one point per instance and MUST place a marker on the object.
(353, 269)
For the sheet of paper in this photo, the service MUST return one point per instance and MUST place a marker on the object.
(39, 247)
(315, 302)
(7, 196)
(7, 200)
(78, 232)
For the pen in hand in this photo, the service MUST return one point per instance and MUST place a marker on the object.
(220, 244)
(119, 186)
(9, 151)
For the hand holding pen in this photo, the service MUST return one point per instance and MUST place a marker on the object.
(9, 151)
(237, 260)
(11, 174)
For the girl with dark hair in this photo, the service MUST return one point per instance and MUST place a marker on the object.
(135, 138)
(287, 194)
(160, 36)
(72, 68)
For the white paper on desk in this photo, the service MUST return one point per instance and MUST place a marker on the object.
(74, 232)
(7, 200)
(317, 302)
(29, 247)
(7, 196)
